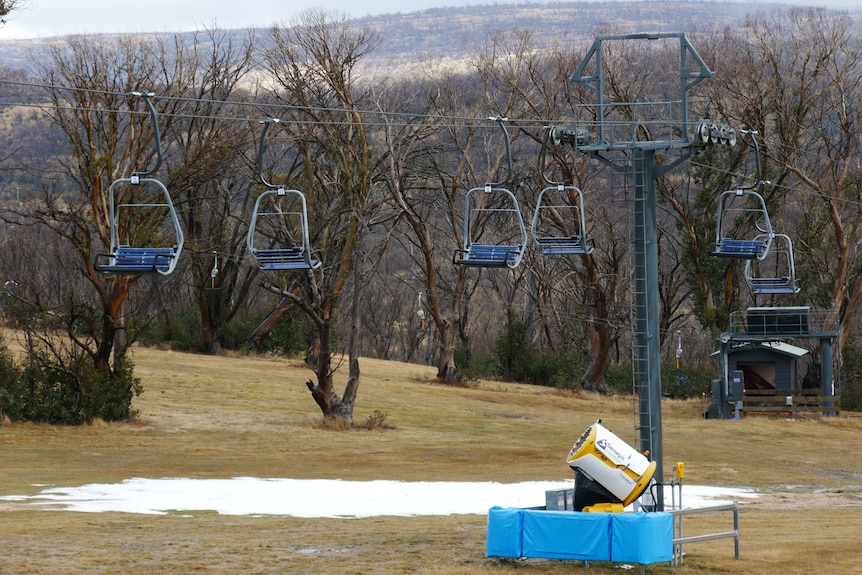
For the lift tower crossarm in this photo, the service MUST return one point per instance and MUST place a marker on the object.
(692, 70)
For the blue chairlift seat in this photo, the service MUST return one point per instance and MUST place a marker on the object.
(560, 215)
(783, 285)
(562, 246)
(781, 268)
(296, 255)
(284, 259)
(489, 256)
(502, 214)
(740, 249)
(129, 260)
(123, 258)
(743, 208)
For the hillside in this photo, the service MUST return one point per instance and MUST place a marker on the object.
(452, 34)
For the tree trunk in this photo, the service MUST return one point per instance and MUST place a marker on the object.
(599, 353)
(323, 392)
(598, 328)
(207, 333)
(262, 331)
(112, 339)
(447, 371)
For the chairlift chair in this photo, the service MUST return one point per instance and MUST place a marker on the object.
(559, 222)
(775, 274)
(278, 234)
(496, 208)
(278, 238)
(494, 231)
(736, 207)
(743, 230)
(136, 198)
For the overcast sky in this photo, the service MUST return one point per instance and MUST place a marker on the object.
(40, 18)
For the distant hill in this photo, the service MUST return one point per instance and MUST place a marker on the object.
(453, 34)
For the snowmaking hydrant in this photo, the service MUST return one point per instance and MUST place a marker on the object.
(609, 474)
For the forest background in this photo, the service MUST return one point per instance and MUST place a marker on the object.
(384, 125)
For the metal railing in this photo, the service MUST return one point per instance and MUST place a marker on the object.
(679, 540)
(783, 322)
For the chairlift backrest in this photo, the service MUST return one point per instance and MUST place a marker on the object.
(742, 230)
(776, 273)
(559, 222)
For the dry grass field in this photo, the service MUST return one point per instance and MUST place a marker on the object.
(223, 417)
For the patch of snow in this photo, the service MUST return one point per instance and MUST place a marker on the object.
(320, 497)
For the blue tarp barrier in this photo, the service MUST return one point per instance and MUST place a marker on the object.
(505, 529)
(643, 538)
(567, 535)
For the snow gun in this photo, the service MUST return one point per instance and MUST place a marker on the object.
(609, 474)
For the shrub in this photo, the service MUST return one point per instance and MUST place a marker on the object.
(50, 390)
(680, 383)
(515, 354)
(687, 382)
(472, 366)
(851, 376)
(377, 420)
(292, 335)
(181, 331)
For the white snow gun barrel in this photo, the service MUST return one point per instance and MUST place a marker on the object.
(608, 472)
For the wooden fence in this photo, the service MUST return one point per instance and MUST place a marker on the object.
(788, 402)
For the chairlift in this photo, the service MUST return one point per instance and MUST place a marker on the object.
(140, 197)
(775, 274)
(278, 233)
(743, 230)
(559, 223)
(493, 211)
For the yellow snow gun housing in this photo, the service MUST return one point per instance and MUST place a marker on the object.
(607, 470)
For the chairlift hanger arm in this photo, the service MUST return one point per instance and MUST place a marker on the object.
(543, 155)
(261, 148)
(501, 121)
(758, 182)
(157, 134)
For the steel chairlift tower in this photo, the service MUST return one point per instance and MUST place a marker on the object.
(627, 136)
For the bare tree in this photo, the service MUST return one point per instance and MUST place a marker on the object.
(92, 86)
(89, 83)
(209, 177)
(798, 84)
(313, 64)
(7, 7)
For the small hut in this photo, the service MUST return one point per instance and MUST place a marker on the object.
(767, 365)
